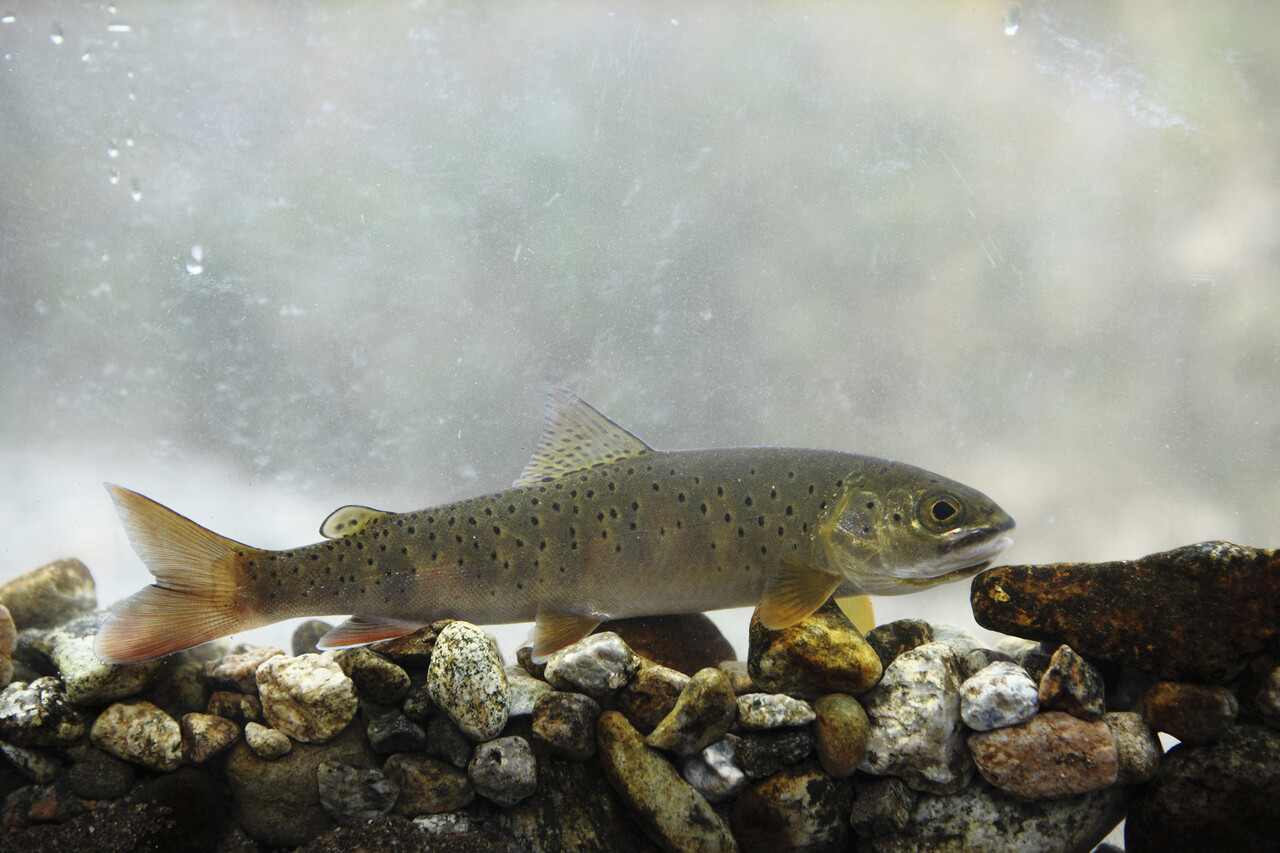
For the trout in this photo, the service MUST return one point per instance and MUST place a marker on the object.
(598, 526)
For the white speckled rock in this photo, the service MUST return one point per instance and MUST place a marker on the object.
(713, 773)
(760, 711)
(1000, 694)
(38, 714)
(467, 681)
(267, 743)
(597, 665)
(525, 690)
(916, 732)
(308, 698)
(141, 733)
(504, 770)
(355, 795)
(89, 681)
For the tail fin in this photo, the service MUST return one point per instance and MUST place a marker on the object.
(194, 597)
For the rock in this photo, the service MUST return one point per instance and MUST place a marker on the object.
(89, 681)
(8, 643)
(712, 772)
(685, 642)
(799, 808)
(467, 681)
(448, 742)
(761, 754)
(669, 809)
(525, 691)
(882, 807)
(267, 743)
(139, 732)
(39, 804)
(239, 672)
(418, 705)
(239, 708)
(736, 671)
(1138, 751)
(597, 665)
(981, 818)
(704, 711)
(1149, 613)
(206, 735)
(49, 595)
(391, 731)
(1223, 795)
(278, 802)
(99, 775)
(181, 690)
(893, 638)
(306, 635)
(979, 659)
(503, 770)
(916, 731)
(1000, 694)
(1072, 684)
(374, 675)
(841, 734)
(38, 765)
(1267, 700)
(354, 795)
(38, 714)
(1193, 713)
(428, 785)
(308, 698)
(760, 711)
(1053, 754)
(412, 651)
(196, 810)
(566, 724)
(822, 653)
(650, 695)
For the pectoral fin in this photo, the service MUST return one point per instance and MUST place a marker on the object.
(360, 630)
(794, 592)
(858, 609)
(553, 630)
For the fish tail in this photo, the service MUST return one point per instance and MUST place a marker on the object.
(195, 597)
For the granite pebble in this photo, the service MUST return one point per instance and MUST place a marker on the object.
(596, 665)
(999, 694)
(565, 723)
(504, 770)
(206, 735)
(39, 714)
(267, 743)
(467, 681)
(139, 732)
(704, 711)
(713, 772)
(309, 698)
(428, 785)
(822, 653)
(354, 795)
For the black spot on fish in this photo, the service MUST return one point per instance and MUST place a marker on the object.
(760, 520)
(497, 531)
(511, 508)
(555, 506)
(773, 493)
(720, 491)
(703, 508)
(655, 487)
(741, 532)
(728, 517)
(533, 501)
(747, 500)
(680, 497)
(764, 550)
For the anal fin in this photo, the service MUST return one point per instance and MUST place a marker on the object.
(794, 591)
(859, 610)
(554, 629)
(362, 630)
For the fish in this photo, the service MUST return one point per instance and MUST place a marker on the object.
(598, 526)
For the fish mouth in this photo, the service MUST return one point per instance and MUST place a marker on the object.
(970, 551)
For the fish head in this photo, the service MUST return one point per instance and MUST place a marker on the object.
(899, 528)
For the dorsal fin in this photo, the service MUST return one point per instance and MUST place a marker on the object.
(575, 437)
(346, 520)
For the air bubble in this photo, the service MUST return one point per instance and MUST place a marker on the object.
(1012, 19)
(8, 19)
(114, 177)
(113, 150)
(135, 192)
(119, 27)
(56, 35)
(195, 261)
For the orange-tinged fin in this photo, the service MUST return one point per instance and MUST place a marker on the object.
(859, 610)
(362, 630)
(574, 437)
(554, 629)
(346, 520)
(794, 591)
(194, 597)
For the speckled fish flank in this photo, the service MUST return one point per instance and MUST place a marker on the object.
(598, 526)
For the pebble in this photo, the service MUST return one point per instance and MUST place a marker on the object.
(428, 785)
(525, 691)
(467, 681)
(267, 743)
(1267, 701)
(99, 775)
(206, 735)
(916, 731)
(278, 802)
(309, 698)
(704, 712)
(139, 732)
(181, 690)
(902, 635)
(240, 708)
(89, 681)
(391, 731)
(672, 812)
(374, 675)
(503, 770)
(822, 653)
(1054, 754)
(38, 765)
(8, 643)
(565, 723)
(761, 754)
(882, 807)
(306, 635)
(40, 804)
(1193, 713)
(760, 711)
(739, 677)
(417, 704)
(412, 651)
(1144, 612)
(239, 671)
(797, 808)
(49, 595)
(448, 742)
(597, 665)
(650, 695)
(684, 642)
(713, 773)
(999, 694)
(1138, 750)
(38, 714)
(841, 734)
(1223, 795)
(1072, 684)
(355, 795)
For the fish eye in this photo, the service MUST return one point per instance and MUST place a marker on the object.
(941, 511)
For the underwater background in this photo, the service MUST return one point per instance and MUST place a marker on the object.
(261, 260)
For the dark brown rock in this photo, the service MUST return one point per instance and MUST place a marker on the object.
(822, 653)
(1197, 613)
(1072, 684)
(686, 643)
(893, 638)
(650, 695)
(1193, 713)
(44, 597)
(799, 808)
